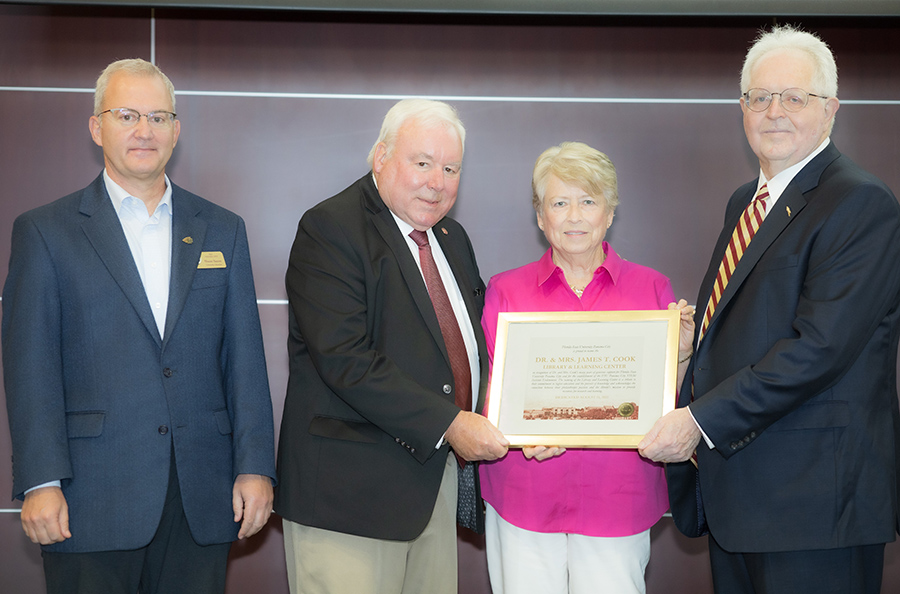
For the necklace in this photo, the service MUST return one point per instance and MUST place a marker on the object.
(578, 291)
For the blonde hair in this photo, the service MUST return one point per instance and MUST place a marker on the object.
(134, 66)
(577, 164)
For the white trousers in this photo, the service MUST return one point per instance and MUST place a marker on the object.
(525, 562)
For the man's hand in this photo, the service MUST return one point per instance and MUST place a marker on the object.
(45, 516)
(474, 438)
(252, 499)
(673, 438)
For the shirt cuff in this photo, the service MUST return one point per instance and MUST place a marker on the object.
(708, 441)
(41, 486)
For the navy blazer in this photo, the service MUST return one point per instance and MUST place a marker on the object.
(370, 391)
(98, 399)
(795, 380)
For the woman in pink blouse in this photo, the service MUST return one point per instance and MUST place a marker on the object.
(574, 520)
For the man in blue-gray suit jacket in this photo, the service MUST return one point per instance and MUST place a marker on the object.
(793, 381)
(135, 378)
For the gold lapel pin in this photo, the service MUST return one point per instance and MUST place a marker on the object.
(788, 209)
(188, 240)
(444, 231)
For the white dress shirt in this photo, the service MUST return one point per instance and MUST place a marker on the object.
(150, 239)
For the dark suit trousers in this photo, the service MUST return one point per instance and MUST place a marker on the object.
(852, 570)
(171, 564)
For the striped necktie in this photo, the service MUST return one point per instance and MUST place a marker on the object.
(749, 223)
(746, 228)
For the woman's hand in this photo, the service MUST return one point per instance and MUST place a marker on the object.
(543, 452)
(686, 335)
(685, 338)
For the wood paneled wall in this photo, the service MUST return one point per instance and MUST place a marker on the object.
(279, 110)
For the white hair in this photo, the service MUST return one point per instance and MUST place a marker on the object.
(825, 79)
(426, 112)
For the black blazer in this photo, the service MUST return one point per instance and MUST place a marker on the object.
(795, 380)
(371, 389)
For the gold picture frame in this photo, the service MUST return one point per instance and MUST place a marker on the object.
(596, 379)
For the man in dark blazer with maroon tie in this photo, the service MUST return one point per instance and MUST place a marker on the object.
(368, 485)
(794, 414)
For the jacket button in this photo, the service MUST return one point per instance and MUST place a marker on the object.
(163, 429)
(734, 445)
(168, 372)
(447, 389)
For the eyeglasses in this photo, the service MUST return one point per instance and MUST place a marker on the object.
(791, 99)
(128, 118)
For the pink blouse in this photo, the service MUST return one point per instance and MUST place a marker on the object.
(590, 492)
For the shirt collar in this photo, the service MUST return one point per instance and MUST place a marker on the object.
(118, 194)
(779, 182)
(405, 228)
(612, 264)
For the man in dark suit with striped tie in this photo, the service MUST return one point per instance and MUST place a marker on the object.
(791, 397)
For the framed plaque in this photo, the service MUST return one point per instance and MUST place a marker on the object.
(596, 379)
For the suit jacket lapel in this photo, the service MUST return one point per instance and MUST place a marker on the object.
(774, 223)
(188, 235)
(788, 206)
(104, 230)
(387, 228)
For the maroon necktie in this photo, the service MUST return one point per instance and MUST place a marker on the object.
(453, 340)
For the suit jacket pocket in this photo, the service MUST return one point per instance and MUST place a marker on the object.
(223, 421)
(345, 429)
(84, 423)
(788, 261)
(210, 277)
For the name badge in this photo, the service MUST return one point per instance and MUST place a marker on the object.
(211, 260)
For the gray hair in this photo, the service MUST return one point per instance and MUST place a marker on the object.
(825, 79)
(134, 66)
(426, 112)
(577, 164)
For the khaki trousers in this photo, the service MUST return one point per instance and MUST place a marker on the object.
(326, 562)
